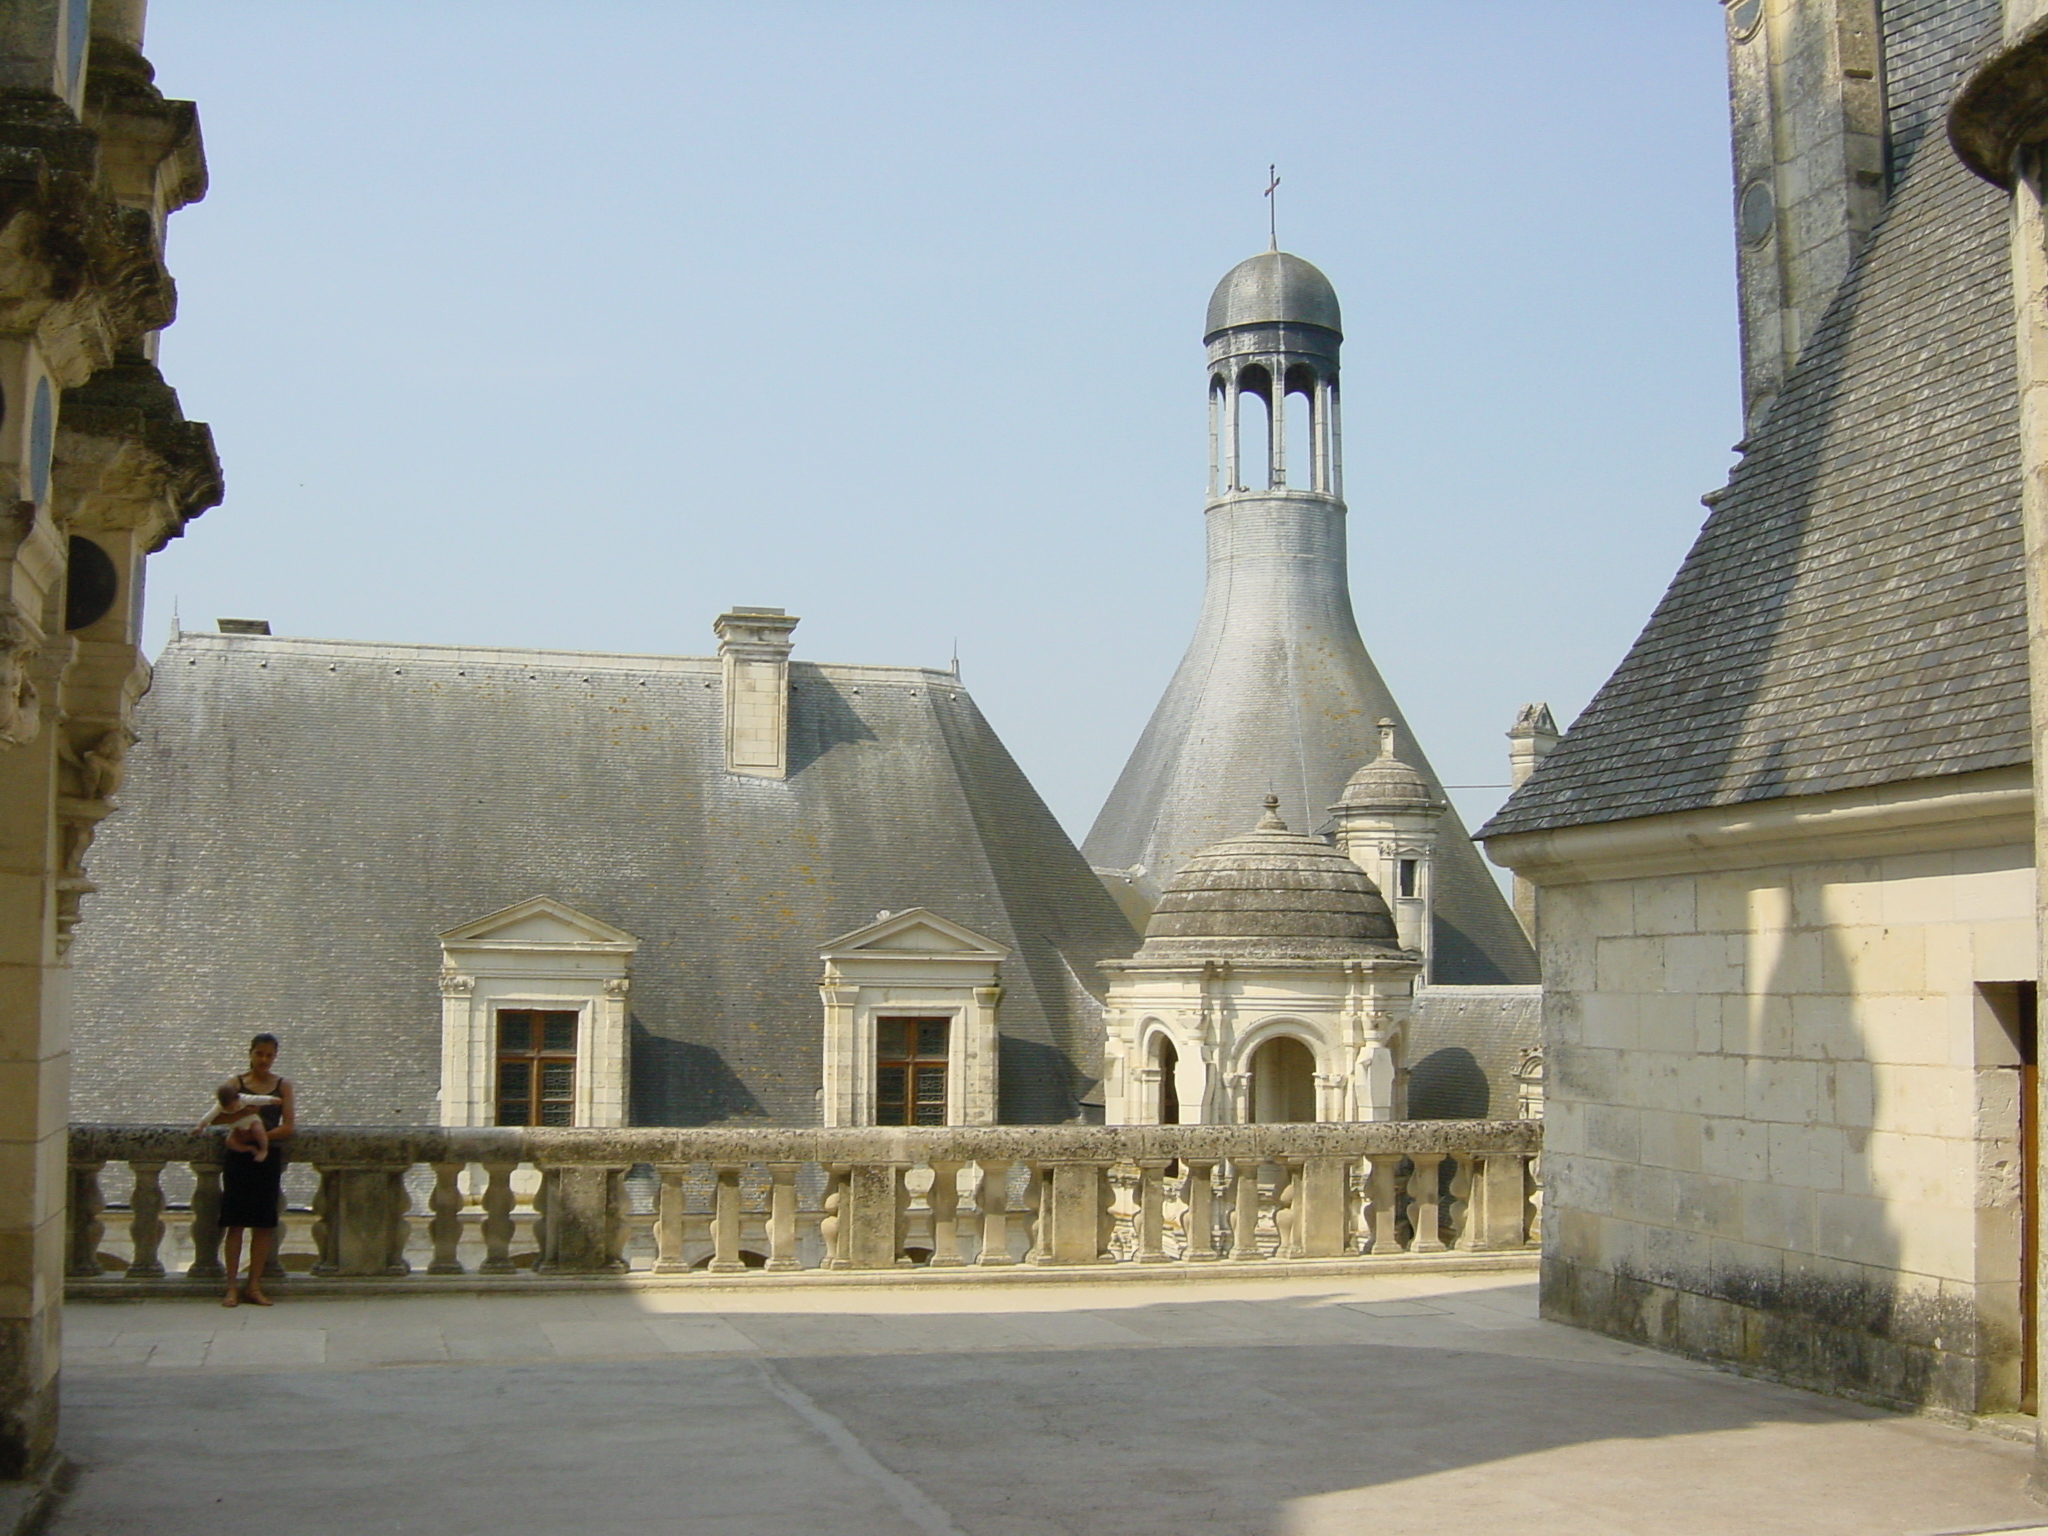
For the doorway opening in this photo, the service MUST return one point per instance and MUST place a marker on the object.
(1283, 1082)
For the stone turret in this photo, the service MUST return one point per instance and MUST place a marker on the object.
(1386, 824)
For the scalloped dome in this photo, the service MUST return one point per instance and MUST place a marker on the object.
(1270, 894)
(1272, 287)
(1388, 784)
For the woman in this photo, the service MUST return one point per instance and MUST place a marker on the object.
(251, 1190)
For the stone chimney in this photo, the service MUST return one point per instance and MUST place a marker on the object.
(754, 645)
(1530, 740)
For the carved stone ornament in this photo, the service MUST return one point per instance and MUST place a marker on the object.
(94, 763)
(617, 986)
(455, 984)
(21, 715)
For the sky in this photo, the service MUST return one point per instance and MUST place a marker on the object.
(569, 327)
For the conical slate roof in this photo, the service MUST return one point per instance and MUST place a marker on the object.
(1273, 894)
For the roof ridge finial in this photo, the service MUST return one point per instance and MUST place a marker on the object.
(1271, 822)
(1272, 208)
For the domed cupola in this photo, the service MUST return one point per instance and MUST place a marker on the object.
(1386, 784)
(1273, 288)
(1270, 894)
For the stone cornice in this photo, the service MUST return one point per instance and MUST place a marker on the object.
(1993, 808)
(2003, 106)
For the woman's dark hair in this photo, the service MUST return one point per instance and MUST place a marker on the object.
(266, 1038)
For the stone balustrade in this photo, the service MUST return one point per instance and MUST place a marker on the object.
(496, 1203)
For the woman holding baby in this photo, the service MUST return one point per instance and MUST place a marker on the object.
(252, 1169)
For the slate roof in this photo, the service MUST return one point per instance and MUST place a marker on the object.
(302, 817)
(1464, 1046)
(1852, 612)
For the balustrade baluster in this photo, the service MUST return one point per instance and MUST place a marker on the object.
(85, 1228)
(1287, 1209)
(1151, 1222)
(1455, 1216)
(1383, 1205)
(498, 1225)
(832, 1225)
(206, 1233)
(993, 1196)
(1424, 1213)
(446, 1227)
(725, 1219)
(1032, 1212)
(782, 1216)
(1244, 1222)
(669, 1205)
(146, 1222)
(945, 1203)
(1201, 1218)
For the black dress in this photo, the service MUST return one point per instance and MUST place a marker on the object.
(250, 1192)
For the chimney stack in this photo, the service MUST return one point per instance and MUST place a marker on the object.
(754, 645)
(1530, 740)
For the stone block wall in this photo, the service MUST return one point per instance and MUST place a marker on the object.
(1783, 1117)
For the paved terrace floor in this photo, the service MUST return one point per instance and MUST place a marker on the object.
(1382, 1404)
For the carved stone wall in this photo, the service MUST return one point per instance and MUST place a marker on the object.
(98, 468)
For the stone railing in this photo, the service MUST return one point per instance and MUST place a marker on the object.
(492, 1204)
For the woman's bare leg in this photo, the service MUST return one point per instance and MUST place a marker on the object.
(260, 1239)
(233, 1260)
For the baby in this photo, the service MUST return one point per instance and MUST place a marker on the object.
(237, 1116)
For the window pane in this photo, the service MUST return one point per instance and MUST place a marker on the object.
(558, 1079)
(931, 1037)
(554, 1114)
(931, 1096)
(515, 1031)
(892, 1037)
(514, 1089)
(561, 1032)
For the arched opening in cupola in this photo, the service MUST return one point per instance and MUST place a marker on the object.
(1283, 1082)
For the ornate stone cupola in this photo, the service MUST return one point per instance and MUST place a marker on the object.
(1272, 986)
(1387, 820)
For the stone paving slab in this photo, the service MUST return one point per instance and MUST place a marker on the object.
(1388, 1404)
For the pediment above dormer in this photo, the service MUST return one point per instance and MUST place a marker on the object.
(540, 922)
(908, 935)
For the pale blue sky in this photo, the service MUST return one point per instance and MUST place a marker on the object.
(568, 326)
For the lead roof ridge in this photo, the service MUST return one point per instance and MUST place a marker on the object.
(431, 651)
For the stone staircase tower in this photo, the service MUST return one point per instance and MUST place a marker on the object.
(1276, 692)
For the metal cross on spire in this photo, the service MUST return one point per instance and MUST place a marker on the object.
(1272, 208)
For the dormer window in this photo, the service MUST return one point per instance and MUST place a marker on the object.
(910, 1023)
(533, 1018)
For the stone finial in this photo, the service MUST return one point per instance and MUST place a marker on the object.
(1271, 822)
(1390, 737)
(1530, 740)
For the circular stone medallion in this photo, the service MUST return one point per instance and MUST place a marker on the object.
(1756, 212)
